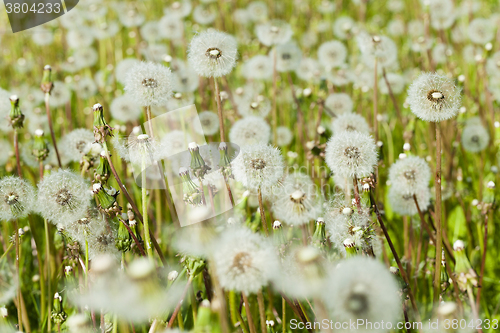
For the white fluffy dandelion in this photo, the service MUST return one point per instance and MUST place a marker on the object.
(259, 67)
(149, 83)
(349, 122)
(351, 154)
(123, 67)
(363, 288)
(212, 53)
(339, 103)
(17, 198)
(284, 136)
(209, 122)
(475, 137)
(481, 31)
(258, 166)
(433, 97)
(258, 107)
(250, 131)
(404, 204)
(288, 57)
(410, 174)
(79, 143)
(332, 54)
(343, 27)
(297, 201)
(124, 109)
(274, 32)
(63, 197)
(244, 261)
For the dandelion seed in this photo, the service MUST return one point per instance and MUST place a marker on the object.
(212, 53)
(250, 131)
(17, 198)
(63, 197)
(149, 83)
(350, 154)
(434, 98)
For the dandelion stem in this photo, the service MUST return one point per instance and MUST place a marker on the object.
(393, 98)
(18, 275)
(178, 307)
(144, 191)
(47, 263)
(396, 257)
(357, 197)
(137, 243)
(262, 311)
(51, 128)
(283, 316)
(262, 213)
(275, 91)
(375, 101)
(439, 235)
(16, 148)
(248, 312)
(219, 111)
(483, 260)
(132, 203)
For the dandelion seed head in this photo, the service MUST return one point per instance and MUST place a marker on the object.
(17, 198)
(296, 201)
(404, 204)
(288, 56)
(343, 27)
(475, 136)
(259, 67)
(212, 53)
(362, 288)
(481, 31)
(309, 69)
(284, 136)
(339, 103)
(258, 166)
(350, 154)
(250, 131)
(410, 174)
(149, 84)
(258, 107)
(244, 261)
(204, 15)
(124, 109)
(349, 122)
(332, 54)
(79, 143)
(434, 97)
(209, 122)
(274, 32)
(63, 197)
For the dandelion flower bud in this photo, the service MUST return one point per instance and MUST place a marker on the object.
(101, 128)
(433, 97)
(17, 198)
(40, 148)
(212, 53)
(46, 84)
(351, 154)
(463, 269)
(16, 117)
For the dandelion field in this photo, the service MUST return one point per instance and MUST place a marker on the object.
(231, 166)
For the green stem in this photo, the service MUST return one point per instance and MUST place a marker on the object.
(47, 263)
(145, 216)
(18, 274)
